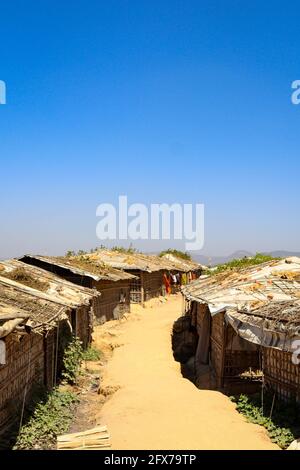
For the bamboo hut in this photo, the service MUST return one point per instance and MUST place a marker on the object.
(35, 328)
(275, 329)
(113, 284)
(150, 271)
(234, 361)
(82, 300)
(147, 272)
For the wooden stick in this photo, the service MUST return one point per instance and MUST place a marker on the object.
(91, 448)
(85, 439)
(83, 443)
(98, 429)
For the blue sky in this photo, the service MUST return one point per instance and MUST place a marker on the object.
(164, 101)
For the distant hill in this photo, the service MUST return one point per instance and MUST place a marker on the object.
(284, 254)
(214, 260)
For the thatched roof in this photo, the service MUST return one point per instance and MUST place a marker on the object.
(180, 264)
(261, 303)
(126, 261)
(248, 288)
(142, 262)
(277, 315)
(38, 309)
(22, 302)
(82, 266)
(47, 282)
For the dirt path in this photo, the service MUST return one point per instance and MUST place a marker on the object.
(155, 407)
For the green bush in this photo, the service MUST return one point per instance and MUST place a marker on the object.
(282, 426)
(70, 253)
(241, 263)
(91, 354)
(51, 418)
(72, 361)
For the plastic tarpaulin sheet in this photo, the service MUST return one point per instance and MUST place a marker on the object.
(257, 334)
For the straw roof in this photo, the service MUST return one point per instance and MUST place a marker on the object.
(180, 264)
(250, 287)
(39, 279)
(127, 261)
(261, 303)
(36, 309)
(40, 310)
(142, 261)
(83, 266)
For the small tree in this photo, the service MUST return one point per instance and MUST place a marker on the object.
(70, 253)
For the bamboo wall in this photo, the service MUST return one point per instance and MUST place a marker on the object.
(49, 352)
(240, 355)
(146, 286)
(281, 375)
(152, 283)
(136, 294)
(84, 325)
(232, 356)
(217, 337)
(55, 342)
(24, 368)
(114, 300)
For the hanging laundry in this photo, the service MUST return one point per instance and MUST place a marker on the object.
(184, 279)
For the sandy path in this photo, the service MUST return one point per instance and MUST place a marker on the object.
(156, 408)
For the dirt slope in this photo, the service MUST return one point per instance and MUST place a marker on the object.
(156, 408)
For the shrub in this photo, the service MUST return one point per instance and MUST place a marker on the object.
(91, 354)
(282, 426)
(177, 253)
(72, 361)
(51, 418)
(241, 263)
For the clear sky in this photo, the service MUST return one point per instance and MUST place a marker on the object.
(164, 101)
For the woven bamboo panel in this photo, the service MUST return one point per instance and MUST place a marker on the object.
(217, 345)
(217, 328)
(281, 374)
(153, 284)
(216, 359)
(136, 288)
(237, 362)
(114, 300)
(240, 355)
(24, 368)
(83, 325)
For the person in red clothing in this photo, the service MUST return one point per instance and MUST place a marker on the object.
(167, 284)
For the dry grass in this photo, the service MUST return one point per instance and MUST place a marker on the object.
(84, 263)
(20, 275)
(289, 275)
